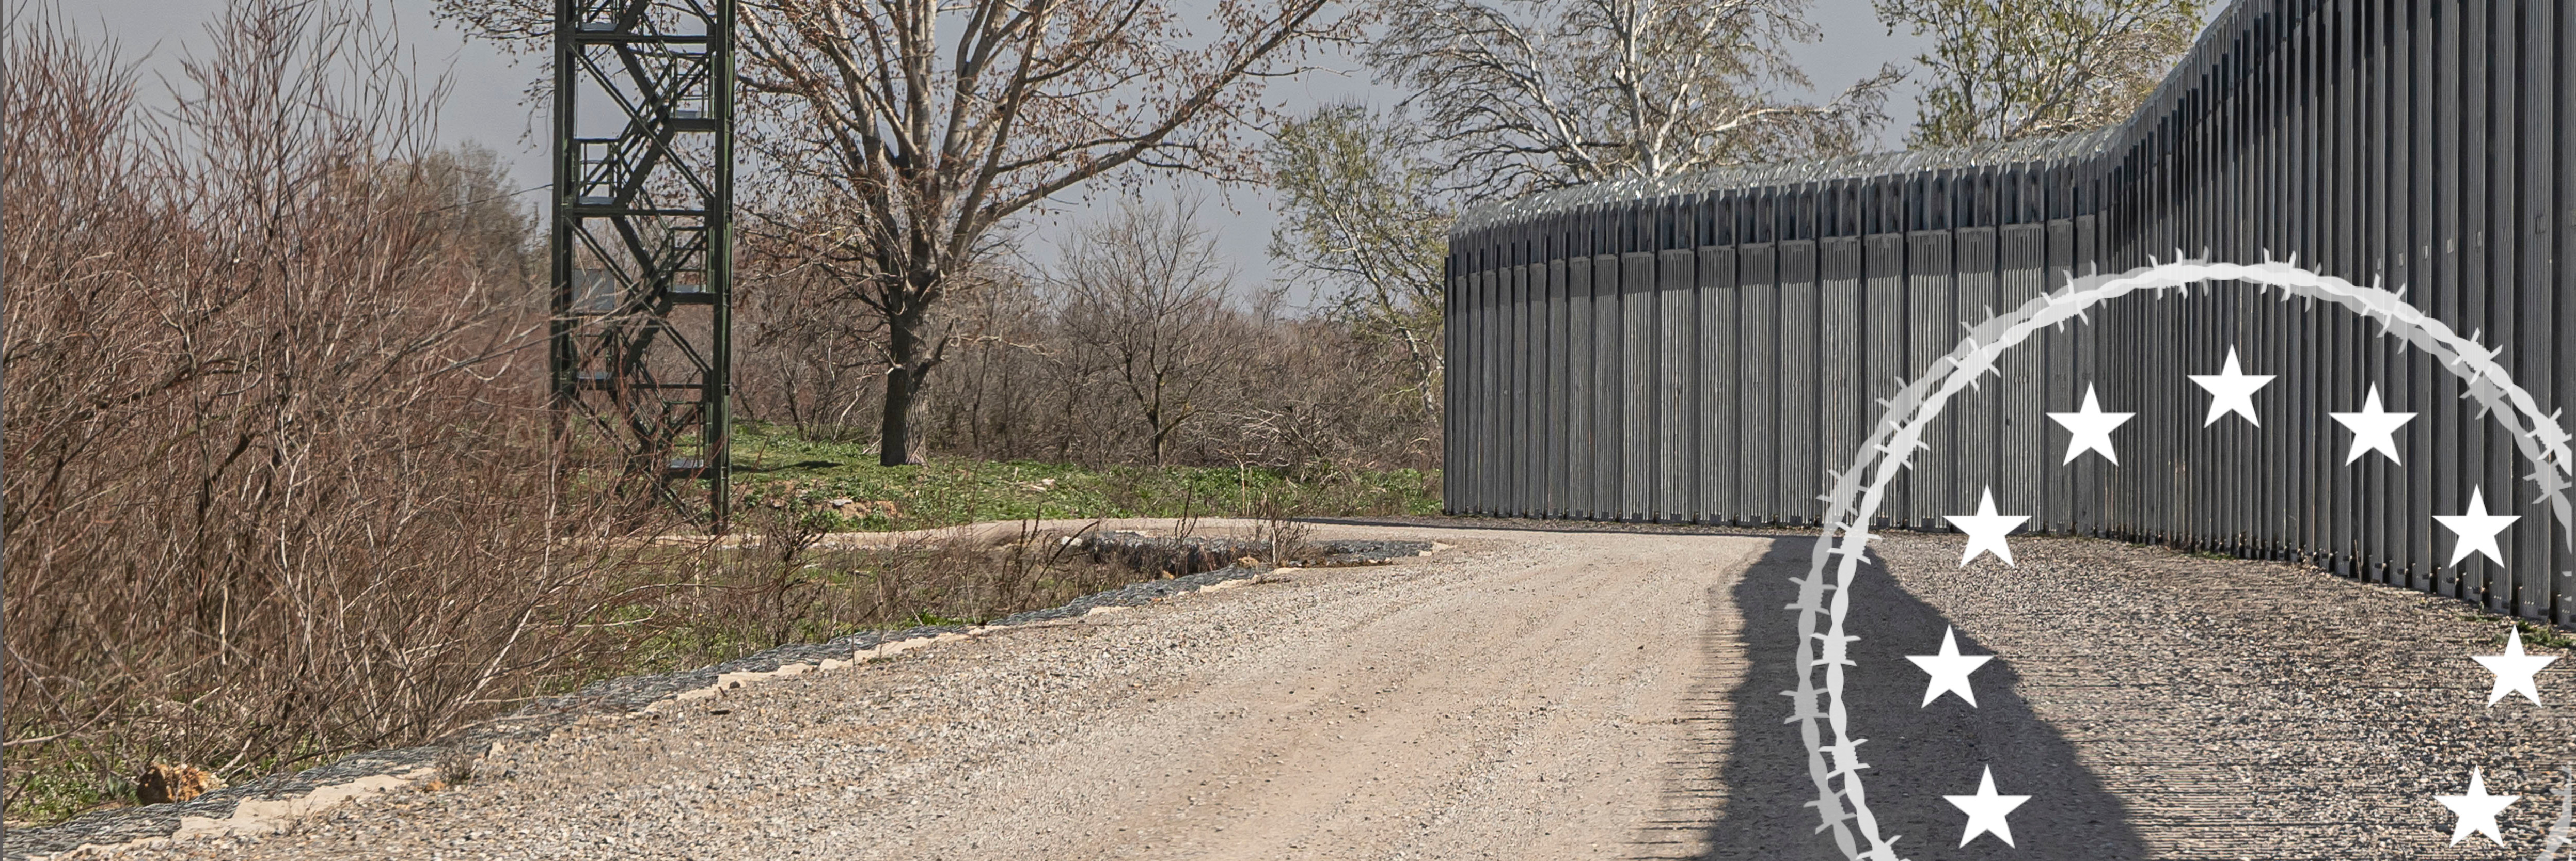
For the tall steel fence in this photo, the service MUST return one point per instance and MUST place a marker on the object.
(1705, 348)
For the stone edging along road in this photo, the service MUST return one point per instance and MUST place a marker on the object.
(272, 803)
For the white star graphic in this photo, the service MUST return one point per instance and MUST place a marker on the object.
(2374, 428)
(1950, 670)
(2477, 810)
(2090, 429)
(1986, 529)
(2514, 671)
(1986, 810)
(2476, 529)
(2231, 390)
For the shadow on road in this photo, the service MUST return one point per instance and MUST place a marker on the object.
(1916, 753)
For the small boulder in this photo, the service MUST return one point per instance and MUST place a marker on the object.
(162, 783)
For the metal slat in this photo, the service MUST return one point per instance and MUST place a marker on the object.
(2377, 519)
(2559, 222)
(2067, 376)
(2344, 483)
(1800, 353)
(1886, 365)
(1465, 380)
(2533, 305)
(1513, 305)
(1639, 349)
(1452, 303)
(1757, 327)
(1608, 388)
(2449, 484)
(1554, 351)
(1979, 431)
(2096, 514)
(1842, 410)
(1677, 371)
(2024, 462)
(1932, 309)
(1582, 445)
(1491, 472)
(2475, 199)
(1721, 437)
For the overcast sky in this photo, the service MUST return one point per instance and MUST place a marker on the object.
(488, 104)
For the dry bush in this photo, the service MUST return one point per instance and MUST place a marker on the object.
(801, 358)
(1279, 533)
(780, 587)
(1146, 321)
(278, 475)
(1132, 356)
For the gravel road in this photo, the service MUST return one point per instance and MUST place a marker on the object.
(1549, 694)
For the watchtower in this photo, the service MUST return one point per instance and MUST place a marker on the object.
(642, 237)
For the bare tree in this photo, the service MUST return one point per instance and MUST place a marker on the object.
(1361, 211)
(1144, 298)
(802, 358)
(917, 127)
(1528, 95)
(2011, 69)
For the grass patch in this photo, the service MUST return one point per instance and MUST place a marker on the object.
(2539, 634)
(778, 470)
(2546, 636)
(716, 605)
(76, 783)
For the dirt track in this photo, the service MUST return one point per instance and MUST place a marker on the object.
(1549, 695)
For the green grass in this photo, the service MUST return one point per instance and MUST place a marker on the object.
(2544, 635)
(776, 469)
(2540, 634)
(73, 784)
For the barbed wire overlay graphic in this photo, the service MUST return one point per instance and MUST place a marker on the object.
(1855, 495)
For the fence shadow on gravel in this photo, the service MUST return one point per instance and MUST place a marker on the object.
(1916, 753)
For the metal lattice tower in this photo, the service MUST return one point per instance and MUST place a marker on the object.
(642, 242)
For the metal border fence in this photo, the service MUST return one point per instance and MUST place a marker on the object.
(1704, 348)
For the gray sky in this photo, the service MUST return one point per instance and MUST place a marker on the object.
(488, 103)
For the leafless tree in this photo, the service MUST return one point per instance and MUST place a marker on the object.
(1533, 94)
(1144, 300)
(918, 127)
(2005, 70)
(802, 359)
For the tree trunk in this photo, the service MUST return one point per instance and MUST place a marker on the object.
(898, 435)
(899, 428)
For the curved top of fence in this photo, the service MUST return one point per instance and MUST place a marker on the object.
(1762, 174)
(2214, 40)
